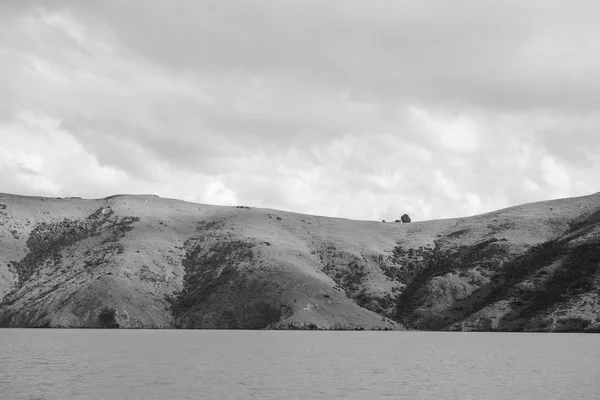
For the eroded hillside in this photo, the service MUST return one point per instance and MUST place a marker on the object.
(148, 262)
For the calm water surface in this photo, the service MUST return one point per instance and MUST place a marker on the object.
(122, 365)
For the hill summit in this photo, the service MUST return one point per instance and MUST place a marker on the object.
(141, 261)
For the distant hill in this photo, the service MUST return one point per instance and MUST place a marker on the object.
(141, 261)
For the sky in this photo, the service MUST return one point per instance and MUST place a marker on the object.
(363, 109)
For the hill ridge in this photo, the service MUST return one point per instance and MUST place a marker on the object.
(143, 261)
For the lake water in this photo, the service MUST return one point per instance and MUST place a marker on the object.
(171, 364)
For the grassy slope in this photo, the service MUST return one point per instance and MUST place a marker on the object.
(145, 261)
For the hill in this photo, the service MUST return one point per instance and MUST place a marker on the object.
(141, 261)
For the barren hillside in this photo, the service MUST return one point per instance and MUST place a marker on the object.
(147, 262)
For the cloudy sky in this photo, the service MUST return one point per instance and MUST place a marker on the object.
(363, 109)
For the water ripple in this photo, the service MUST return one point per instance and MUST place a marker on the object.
(116, 364)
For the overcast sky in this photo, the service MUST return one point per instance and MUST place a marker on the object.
(363, 109)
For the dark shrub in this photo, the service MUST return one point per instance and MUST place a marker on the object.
(107, 318)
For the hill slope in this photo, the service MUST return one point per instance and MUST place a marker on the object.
(148, 262)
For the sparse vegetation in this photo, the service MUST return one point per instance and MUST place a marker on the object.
(209, 262)
(349, 277)
(48, 240)
(3, 211)
(147, 275)
(417, 267)
(576, 274)
(349, 273)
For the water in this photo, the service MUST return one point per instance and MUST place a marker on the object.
(116, 364)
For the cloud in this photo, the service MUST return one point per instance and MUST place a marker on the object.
(217, 193)
(510, 54)
(459, 133)
(556, 176)
(344, 108)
